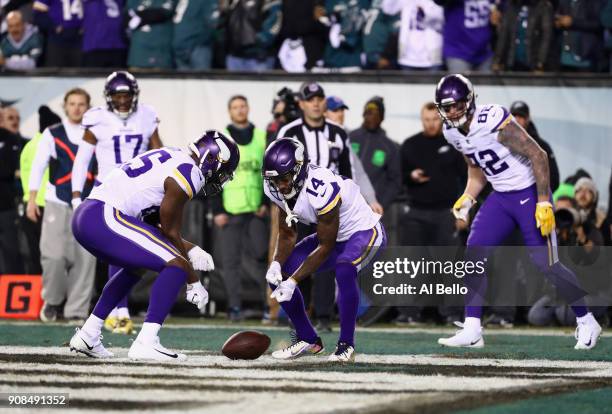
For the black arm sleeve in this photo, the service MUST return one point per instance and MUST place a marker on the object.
(394, 178)
(216, 204)
(345, 158)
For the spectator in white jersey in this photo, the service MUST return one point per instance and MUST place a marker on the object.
(419, 41)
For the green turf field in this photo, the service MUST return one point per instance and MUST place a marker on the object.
(396, 370)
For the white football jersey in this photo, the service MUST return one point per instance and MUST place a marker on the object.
(321, 193)
(119, 140)
(137, 187)
(505, 170)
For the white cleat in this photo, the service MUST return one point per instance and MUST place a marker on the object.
(298, 349)
(466, 337)
(153, 352)
(588, 332)
(343, 353)
(93, 348)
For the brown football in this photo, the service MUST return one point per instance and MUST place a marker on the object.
(246, 345)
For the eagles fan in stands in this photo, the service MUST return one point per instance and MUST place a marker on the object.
(117, 132)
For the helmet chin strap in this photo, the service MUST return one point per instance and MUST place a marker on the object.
(291, 218)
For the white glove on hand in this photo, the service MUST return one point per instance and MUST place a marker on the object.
(284, 291)
(462, 207)
(274, 275)
(196, 294)
(200, 260)
(75, 203)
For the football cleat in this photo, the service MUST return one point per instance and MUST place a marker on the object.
(587, 333)
(110, 323)
(343, 353)
(466, 337)
(299, 348)
(93, 348)
(153, 352)
(125, 326)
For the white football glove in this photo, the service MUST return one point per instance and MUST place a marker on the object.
(76, 202)
(196, 294)
(462, 207)
(274, 275)
(284, 291)
(200, 260)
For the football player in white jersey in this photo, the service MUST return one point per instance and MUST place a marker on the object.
(117, 133)
(349, 235)
(109, 223)
(498, 150)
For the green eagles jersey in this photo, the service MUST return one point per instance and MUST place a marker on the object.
(151, 45)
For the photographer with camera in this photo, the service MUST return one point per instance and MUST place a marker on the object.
(578, 228)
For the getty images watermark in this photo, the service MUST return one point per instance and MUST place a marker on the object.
(408, 276)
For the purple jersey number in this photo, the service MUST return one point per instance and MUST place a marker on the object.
(147, 163)
(128, 138)
(487, 160)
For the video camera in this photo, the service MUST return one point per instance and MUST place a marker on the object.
(292, 109)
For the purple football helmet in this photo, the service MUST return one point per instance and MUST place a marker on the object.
(455, 92)
(121, 81)
(285, 157)
(218, 157)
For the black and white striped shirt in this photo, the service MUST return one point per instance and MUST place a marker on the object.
(326, 146)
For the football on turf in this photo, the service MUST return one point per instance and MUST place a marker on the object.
(246, 345)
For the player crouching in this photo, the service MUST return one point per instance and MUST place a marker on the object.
(109, 223)
(349, 235)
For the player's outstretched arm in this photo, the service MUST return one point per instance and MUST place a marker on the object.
(81, 163)
(286, 237)
(327, 232)
(520, 142)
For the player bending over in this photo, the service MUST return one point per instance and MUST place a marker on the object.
(348, 237)
(109, 224)
(501, 152)
(117, 133)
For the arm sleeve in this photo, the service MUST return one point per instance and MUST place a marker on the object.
(407, 166)
(41, 160)
(79, 167)
(362, 179)
(344, 164)
(394, 180)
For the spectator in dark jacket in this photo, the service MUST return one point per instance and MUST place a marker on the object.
(303, 27)
(63, 30)
(251, 28)
(580, 40)
(525, 35)
(379, 155)
(520, 111)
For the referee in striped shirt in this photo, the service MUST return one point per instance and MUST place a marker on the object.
(326, 142)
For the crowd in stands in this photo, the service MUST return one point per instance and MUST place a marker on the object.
(302, 35)
(413, 185)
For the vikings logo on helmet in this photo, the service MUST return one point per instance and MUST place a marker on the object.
(218, 157)
(121, 81)
(285, 156)
(455, 91)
